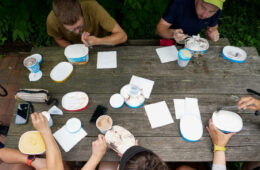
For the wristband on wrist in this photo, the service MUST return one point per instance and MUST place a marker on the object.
(218, 148)
(30, 159)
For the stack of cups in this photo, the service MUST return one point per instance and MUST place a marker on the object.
(184, 56)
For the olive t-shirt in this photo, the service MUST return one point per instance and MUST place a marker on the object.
(97, 22)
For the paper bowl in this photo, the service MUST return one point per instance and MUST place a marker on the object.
(31, 143)
(61, 72)
(77, 53)
(75, 101)
(132, 95)
(234, 54)
(119, 139)
(191, 128)
(227, 121)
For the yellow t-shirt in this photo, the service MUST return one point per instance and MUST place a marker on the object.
(97, 20)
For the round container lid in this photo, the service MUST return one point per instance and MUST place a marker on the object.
(234, 54)
(35, 76)
(191, 128)
(31, 143)
(116, 100)
(76, 51)
(75, 101)
(185, 54)
(61, 71)
(73, 125)
(227, 121)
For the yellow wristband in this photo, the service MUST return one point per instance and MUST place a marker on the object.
(218, 148)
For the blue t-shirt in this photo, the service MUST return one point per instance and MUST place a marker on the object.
(182, 15)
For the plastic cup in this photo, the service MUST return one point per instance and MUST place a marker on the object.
(48, 116)
(31, 64)
(104, 123)
(184, 56)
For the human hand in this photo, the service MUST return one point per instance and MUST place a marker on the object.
(40, 122)
(178, 35)
(92, 40)
(39, 163)
(213, 35)
(249, 103)
(99, 147)
(217, 137)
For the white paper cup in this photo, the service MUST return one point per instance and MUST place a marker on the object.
(104, 123)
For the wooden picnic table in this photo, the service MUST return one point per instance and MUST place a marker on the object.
(212, 79)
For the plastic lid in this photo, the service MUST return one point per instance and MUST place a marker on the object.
(116, 100)
(184, 54)
(234, 54)
(61, 72)
(191, 128)
(75, 101)
(35, 76)
(73, 125)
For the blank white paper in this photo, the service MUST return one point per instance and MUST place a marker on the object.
(107, 60)
(145, 84)
(68, 140)
(158, 114)
(179, 106)
(167, 54)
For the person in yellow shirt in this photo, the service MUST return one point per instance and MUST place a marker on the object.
(88, 22)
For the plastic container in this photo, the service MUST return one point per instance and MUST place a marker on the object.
(117, 101)
(191, 128)
(234, 54)
(75, 101)
(197, 45)
(48, 116)
(184, 56)
(73, 125)
(104, 123)
(77, 53)
(227, 121)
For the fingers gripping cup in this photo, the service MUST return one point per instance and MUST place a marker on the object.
(104, 123)
(184, 56)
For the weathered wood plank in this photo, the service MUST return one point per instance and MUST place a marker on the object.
(240, 148)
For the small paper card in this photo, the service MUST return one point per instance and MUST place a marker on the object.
(192, 107)
(107, 60)
(167, 54)
(158, 114)
(179, 106)
(68, 140)
(144, 84)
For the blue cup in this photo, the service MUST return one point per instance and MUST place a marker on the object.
(31, 64)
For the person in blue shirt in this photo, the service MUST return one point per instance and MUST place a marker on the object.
(188, 17)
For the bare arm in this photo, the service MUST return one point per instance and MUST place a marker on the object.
(220, 139)
(98, 150)
(212, 33)
(118, 36)
(61, 42)
(163, 29)
(53, 155)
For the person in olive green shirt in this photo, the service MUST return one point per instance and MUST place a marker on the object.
(88, 22)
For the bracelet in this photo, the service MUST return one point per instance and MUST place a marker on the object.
(218, 148)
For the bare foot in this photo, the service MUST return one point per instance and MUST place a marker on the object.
(39, 163)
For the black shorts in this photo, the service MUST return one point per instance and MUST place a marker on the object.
(1, 145)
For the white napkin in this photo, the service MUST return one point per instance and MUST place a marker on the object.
(144, 84)
(107, 60)
(167, 54)
(68, 140)
(158, 114)
(179, 106)
(186, 106)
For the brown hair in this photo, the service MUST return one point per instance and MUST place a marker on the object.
(67, 11)
(145, 161)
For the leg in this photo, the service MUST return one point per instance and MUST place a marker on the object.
(108, 165)
(250, 165)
